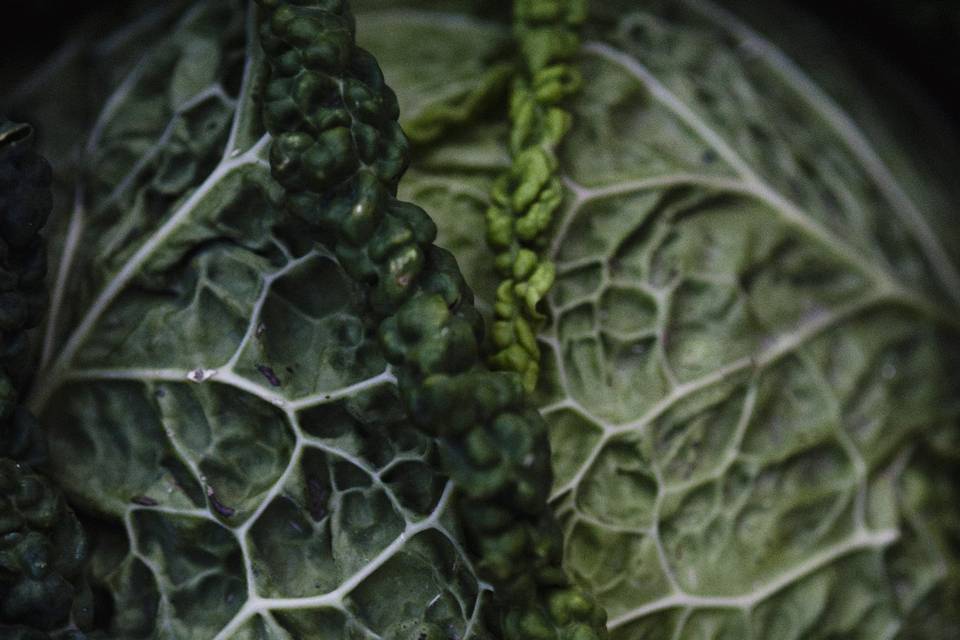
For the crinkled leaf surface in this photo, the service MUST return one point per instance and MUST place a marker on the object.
(751, 370)
(216, 402)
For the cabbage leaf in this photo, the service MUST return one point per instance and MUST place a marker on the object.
(216, 401)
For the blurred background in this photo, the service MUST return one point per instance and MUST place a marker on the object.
(920, 38)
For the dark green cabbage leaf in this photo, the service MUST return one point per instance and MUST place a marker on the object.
(215, 399)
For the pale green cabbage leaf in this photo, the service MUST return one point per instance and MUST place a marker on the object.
(751, 370)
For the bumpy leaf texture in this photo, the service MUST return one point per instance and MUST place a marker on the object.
(750, 369)
(216, 402)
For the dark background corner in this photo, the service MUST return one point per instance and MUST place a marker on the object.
(920, 38)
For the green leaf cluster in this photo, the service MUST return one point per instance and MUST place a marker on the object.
(524, 199)
(43, 590)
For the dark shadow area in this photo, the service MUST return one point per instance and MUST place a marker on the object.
(919, 38)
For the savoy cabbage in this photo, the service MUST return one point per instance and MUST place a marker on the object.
(749, 367)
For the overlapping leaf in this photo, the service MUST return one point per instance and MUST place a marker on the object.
(215, 399)
(751, 370)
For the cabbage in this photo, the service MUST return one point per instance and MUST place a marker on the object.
(217, 405)
(750, 370)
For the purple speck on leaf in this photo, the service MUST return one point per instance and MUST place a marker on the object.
(269, 374)
(218, 506)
